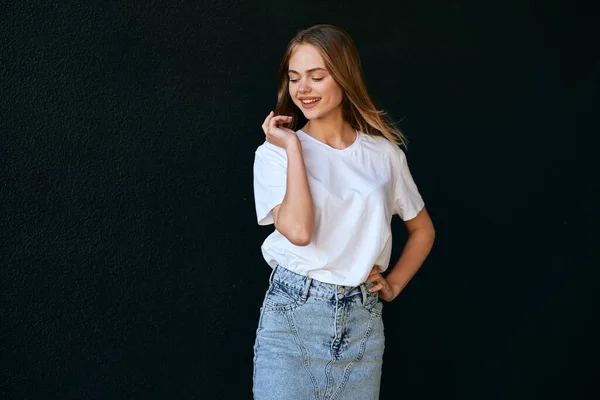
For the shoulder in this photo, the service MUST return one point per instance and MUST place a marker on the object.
(271, 153)
(383, 146)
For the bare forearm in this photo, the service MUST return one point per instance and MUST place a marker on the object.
(415, 252)
(295, 217)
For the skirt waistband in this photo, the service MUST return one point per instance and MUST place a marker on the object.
(309, 287)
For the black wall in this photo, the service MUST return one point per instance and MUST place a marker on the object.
(130, 255)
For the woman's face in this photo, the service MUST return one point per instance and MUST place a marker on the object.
(311, 87)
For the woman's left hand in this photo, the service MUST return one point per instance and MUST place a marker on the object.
(381, 285)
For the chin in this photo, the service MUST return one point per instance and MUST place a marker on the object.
(311, 114)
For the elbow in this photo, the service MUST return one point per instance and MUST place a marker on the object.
(431, 236)
(301, 236)
(301, 239)
(298, 237)
(301, 243)
(298, 233)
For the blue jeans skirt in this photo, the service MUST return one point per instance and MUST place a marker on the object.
(317, 340)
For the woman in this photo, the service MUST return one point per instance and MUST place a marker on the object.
(330, 182)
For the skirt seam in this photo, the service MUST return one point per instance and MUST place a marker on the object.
(305, 355)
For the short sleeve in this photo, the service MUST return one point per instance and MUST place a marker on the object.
(407, 199)
(270, 178)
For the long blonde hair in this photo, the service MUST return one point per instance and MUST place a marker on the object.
(343, 63)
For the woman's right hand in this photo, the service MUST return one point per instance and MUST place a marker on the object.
(276, 134)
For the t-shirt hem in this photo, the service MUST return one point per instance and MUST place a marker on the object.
(414, 213)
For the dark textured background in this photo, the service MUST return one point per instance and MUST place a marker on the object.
(130, 260)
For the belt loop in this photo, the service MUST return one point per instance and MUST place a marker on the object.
(272, 273)
(363, 289)
(306, 289)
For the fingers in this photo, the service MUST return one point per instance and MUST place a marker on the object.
(272, 121)
(376, 288)
(279, 119)
(376, 277)
(374, 272)
(265, 124)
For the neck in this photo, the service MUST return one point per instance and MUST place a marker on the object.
(332, 130)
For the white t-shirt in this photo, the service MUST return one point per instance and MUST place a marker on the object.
(355, 192)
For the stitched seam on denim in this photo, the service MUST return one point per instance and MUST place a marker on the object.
(370, 301)
(375, 311)
(329, 376)
(305, 355)
(274, 307)
(364, 292)
(261, 312)
(258, 329)
(272, 273)
(332, 351)
(306, 289)
(283, 294)
(371, 306)
(295, 289)
(350, 366)
(257, 345)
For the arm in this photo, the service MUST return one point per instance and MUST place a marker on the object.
(421, 236)
(294, 217)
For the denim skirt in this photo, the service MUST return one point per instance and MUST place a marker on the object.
(317, 340)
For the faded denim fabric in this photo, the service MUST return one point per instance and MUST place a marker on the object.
(317, 341)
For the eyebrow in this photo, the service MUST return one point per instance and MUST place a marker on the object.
(309, 70)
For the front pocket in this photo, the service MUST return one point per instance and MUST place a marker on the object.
(376, 308)
(279, 298)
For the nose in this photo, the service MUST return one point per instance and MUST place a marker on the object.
(303, 88)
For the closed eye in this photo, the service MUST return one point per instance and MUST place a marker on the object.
(296, 80)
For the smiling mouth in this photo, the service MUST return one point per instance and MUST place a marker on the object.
(310, 101)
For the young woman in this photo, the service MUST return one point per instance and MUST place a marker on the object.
(329, 176)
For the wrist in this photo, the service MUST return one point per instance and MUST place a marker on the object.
(396, 287)
(293, 144)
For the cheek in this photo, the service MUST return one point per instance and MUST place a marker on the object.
(292, 91)
(334, 93)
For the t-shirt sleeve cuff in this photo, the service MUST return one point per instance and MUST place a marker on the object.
(412, 212)
(265, 214)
